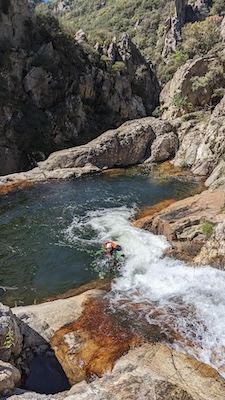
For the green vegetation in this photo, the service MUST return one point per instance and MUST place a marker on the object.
(9, 337)
(217, 7)
(144, 21)
(211, 82)
(207, 228)
(167, 68)
(222, 210)
(119, 66)
(182, 103)
(200, 38)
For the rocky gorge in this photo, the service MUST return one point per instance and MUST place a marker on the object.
(195, 229)
(115, 358)
(58, 91)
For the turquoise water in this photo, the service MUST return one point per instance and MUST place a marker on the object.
(47, 244)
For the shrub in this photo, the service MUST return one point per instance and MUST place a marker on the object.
(119, 66)
(207, 228)
(92, 54)
(211, 82)
(167, 68)
(140, 71)
(200, 37)
(182, 103)
(218, 7)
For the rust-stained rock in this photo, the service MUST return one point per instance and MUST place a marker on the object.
(189, 223)
(91, 345)
(9, 187)
(143, 215)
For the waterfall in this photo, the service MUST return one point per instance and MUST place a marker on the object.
(170, 293)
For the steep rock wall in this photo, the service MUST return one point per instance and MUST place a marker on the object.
(55, 93)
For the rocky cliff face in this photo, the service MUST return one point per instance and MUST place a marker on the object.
(180, 95)
(53, 96)
(185, 11)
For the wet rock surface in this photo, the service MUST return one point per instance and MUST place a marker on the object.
(90, 346)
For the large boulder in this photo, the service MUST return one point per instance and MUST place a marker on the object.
(216, 181)
(129, 144)
(212, 147)
(178, 95)
(154, 371)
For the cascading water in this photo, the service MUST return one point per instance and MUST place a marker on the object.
(186, 300)
(49, 235)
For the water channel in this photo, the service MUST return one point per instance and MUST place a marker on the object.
(50, 233)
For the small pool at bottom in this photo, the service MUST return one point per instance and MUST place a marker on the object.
(46, 375)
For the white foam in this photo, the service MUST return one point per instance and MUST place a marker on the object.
(191, 299)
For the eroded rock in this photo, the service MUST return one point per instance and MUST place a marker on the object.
(202, 143)
(189, 223)
(129, 144)
(178, 95)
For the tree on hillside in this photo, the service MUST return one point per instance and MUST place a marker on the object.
(218, 7)
(200, 37)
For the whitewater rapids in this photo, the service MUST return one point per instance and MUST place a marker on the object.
(170, 292)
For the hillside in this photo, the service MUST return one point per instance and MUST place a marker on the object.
(154, 26)
(74, 69)
(101, 20)
(56, 93)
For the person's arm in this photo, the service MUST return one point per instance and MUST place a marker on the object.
(99, 252)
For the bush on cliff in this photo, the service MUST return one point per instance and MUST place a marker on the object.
(200, 38)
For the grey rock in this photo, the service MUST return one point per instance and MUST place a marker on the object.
(9, 376)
